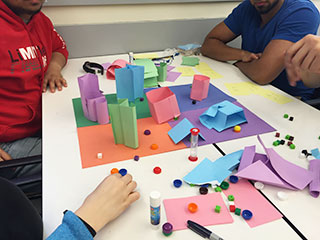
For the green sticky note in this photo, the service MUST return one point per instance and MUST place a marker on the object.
(190, 61)
(150, 69)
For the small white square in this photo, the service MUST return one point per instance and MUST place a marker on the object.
(99, 155)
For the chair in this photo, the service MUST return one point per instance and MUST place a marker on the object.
(24, 181)
(315, 101)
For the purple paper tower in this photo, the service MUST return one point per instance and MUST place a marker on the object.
(94, 104)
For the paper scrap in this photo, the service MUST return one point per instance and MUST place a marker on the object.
(205, 69)
(186, 71)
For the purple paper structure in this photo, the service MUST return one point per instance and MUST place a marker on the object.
(273, 169)
(254, 126)
(94, 104)
(314, 186)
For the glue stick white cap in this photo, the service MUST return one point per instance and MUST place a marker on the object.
(155, 198)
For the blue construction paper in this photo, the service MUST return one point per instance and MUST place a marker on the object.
(222, 116)
(182, 93)
(181, 130)
(315, 152)
(214, 172)
(129, 82)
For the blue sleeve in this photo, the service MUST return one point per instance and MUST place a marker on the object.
(235, 19)
(297, 23)
(71, 228)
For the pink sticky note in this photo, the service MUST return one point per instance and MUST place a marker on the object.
(247, 197)
(178, 214)
(200, 87)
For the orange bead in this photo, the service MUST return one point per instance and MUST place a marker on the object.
(154, 146)
(114, 170)
(192, 207)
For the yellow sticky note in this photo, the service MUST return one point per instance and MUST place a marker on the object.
(205, 69)
(146, 55)
(240, 89)
(186, 71)
(273, 96)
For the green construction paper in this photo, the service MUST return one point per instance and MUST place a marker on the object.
(190, 61)
(124, 123)
(142, 109)
(151, 82)
(150, 69)
(162, 71)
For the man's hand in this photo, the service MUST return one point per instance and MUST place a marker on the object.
(4, 156)
(53, 78)
(249, 56)
(302, 61)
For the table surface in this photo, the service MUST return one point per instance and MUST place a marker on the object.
(66, 184)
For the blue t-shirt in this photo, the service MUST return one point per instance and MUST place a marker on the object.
(294, 20)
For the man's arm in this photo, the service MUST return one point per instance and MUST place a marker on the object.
(302, 61)
(269, 65)
(53, 76)
(214, 46)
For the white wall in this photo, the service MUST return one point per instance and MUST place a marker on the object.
(73, 15)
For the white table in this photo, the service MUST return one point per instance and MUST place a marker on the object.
(66, 184)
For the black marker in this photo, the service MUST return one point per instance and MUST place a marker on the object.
(202, 231)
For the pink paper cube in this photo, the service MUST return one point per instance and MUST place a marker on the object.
(200, 87)
(163, 104)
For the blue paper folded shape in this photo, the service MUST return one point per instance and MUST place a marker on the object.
(181, 130)
(222, 115)
(214, 172)
(129, 82)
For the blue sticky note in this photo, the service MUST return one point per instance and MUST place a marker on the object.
(222, 116)
(181, 130)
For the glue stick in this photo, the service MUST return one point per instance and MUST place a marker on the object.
(194, 144)
(155, 202)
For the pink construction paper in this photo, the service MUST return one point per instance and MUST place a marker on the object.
(314, 186)
(247, 197)
(119, 63)
(200, 87)
(172, 76)
(178, 214)
(163, 104)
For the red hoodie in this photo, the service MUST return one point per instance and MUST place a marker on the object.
(25, 53)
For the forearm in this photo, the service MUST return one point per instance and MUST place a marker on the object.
(218, 50)
(311, 80)
(255, 71)
(58, 61)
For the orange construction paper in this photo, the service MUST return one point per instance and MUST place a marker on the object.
(99, 139)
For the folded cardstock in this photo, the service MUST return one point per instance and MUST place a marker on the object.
(163, 104)
(200, 87)
(119, 63)
(130, 82)
(94, 104)
(314, 186)
(222, 116)
(178, 214)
